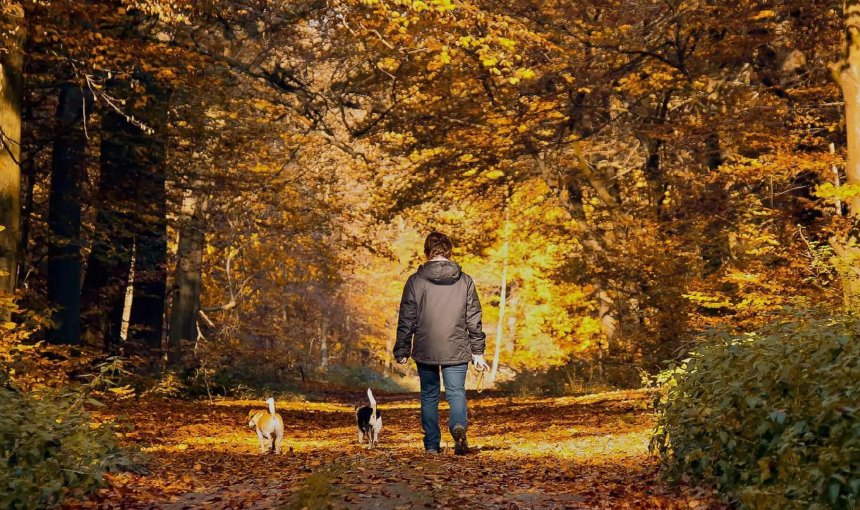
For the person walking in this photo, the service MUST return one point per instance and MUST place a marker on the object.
(440, 328)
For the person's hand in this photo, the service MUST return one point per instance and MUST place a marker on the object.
(403, 361)
(480, 364)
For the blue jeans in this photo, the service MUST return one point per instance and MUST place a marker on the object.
(455, 391)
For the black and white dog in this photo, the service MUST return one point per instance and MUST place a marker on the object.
(369, 421)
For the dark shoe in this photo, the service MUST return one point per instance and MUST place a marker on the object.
(461, 447)
(432, 451)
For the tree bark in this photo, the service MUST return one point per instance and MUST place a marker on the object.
(847, 74)
(146, 323)
(64, 215)
(11, 100)
(187, 279)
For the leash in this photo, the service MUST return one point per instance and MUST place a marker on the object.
(480, 385)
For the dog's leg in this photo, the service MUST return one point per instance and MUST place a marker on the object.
(377, 426)
(279, 437)
(262, 441)
(360, 437)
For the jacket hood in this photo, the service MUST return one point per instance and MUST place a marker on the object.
(440, 272)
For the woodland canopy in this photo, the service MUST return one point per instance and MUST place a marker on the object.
(227, 196)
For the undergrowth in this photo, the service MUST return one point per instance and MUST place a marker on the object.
(769, 418)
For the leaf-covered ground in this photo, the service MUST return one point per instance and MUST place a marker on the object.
(585, 452)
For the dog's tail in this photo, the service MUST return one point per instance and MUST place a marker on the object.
(372, 404)
(271, 403)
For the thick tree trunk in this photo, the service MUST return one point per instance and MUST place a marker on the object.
(103, 292)
(187, 279)
(503, 293)
(146, 323)
(64, 216)
(847, 74)
(11, 100)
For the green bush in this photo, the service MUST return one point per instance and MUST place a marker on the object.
(51, 449)
(769, 418)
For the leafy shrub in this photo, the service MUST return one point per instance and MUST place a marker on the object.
(771, 418)
(51, 449)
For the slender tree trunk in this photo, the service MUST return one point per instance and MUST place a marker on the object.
(11, 100)
(847, 74)
(324, 342)
(64, 216)
(146, 323)
(494, 370)
(187, 279)
(347, 339)
(511, 312)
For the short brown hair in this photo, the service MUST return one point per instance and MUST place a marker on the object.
(437, 244)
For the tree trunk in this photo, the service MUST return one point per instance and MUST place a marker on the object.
(11, 100)
(608, 321)
(502, 295)
(512, 312)
(187, 279)
(64, 216)
(324, 342)
(847, 74)
(146, 323)
(103, 292)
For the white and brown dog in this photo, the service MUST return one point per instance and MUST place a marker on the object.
(270, 427)
(369, 421)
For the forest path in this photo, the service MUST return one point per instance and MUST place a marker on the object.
(582, 452)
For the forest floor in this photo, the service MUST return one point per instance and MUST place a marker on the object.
(582, 452)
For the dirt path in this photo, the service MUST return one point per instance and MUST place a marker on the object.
(586, 452)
